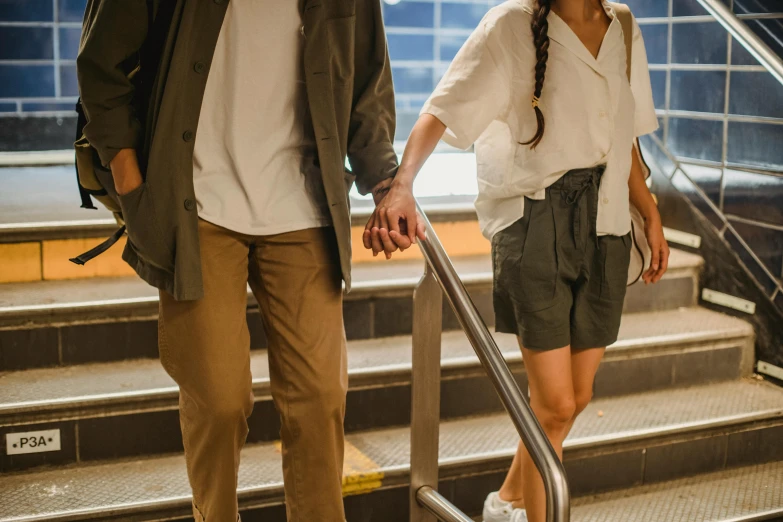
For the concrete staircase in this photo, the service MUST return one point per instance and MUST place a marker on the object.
(680, 428)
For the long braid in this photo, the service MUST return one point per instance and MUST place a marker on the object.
(540, 27)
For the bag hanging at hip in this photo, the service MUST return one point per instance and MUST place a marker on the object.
(641, 255)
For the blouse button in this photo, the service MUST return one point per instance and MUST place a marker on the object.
(606, 201)
(602, 114)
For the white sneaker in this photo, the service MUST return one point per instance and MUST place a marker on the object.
(497, 509)
(518, 515)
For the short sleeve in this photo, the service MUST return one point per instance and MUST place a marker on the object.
(645, 119)
(473, 92)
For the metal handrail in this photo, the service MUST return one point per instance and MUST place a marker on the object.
(749, 40)
(528, 427)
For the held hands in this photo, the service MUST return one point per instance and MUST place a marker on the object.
(395, 223)
(659, 247)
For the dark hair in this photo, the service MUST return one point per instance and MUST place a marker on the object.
(540, 27)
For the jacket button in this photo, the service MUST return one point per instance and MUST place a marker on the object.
(199, 67)
(187, 135)
(190, 204)
(302, 31)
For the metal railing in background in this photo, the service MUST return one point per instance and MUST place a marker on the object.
(672, 168)
(747, 38)
(440, 277)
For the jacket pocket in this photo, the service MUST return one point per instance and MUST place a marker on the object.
(144, 233)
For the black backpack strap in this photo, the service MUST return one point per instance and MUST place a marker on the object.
(100, 249)
(80, 123)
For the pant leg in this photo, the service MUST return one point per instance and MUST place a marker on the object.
(296, 279)
(205, 347)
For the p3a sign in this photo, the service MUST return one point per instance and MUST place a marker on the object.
(32, 442)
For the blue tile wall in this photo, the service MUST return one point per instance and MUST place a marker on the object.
(753, 196)
(658, 82)
(69, 42)
(7, 107)
(71, 10)
(411, 46)
(700, 91)
(450, 45)
(756, 145)
(17, 81)
(26, 11)
(656, 42)
(699, 43)
(648, 8)
(68, 83)
(409, 14)
(696, 139)
(462, 15)
(412, 79)
(687, 8)
(755, 94)
(26, 43)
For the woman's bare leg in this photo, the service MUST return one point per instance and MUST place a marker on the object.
(584, 365)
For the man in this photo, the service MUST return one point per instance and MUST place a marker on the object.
(234, 174)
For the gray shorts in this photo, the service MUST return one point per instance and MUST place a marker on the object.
(556, 283)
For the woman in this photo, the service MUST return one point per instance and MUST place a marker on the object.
(541, 89)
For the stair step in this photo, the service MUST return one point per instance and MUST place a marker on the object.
(634, 440)
(137, 399)
(60, 323)
(749, 493)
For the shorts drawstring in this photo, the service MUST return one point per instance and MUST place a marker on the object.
(573, 193)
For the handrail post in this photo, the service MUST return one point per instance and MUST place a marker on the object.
(528, 427)
(425, 390)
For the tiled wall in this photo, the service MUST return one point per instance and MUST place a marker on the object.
(39, 40)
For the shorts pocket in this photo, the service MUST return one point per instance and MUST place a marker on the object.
(143, 230)
(525, 259)
(616, 256)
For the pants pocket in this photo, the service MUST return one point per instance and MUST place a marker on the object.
(526, 258)
(143, 231)
(616, 256)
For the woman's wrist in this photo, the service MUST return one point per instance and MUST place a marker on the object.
(404, 179)
(651, 214)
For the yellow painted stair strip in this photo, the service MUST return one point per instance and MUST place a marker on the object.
(360, 473)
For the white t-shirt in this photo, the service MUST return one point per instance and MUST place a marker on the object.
(592, 114)
(253, 168)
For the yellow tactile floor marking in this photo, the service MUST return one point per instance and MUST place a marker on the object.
(360, 473)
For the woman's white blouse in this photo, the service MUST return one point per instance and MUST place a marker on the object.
(592, 114)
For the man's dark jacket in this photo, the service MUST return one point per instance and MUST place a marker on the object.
(349, 89)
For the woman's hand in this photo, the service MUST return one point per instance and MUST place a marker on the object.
(395, 223)
(653, 229)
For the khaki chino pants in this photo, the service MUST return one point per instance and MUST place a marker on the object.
(205, 347)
